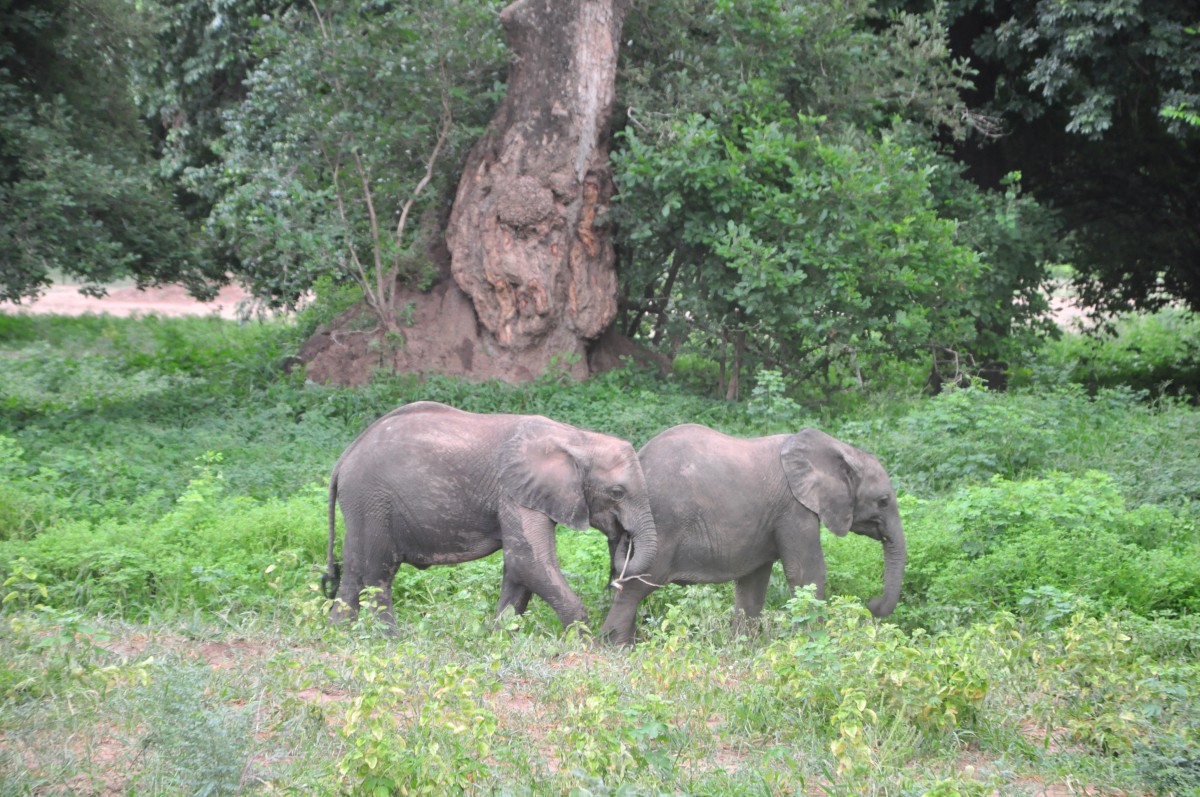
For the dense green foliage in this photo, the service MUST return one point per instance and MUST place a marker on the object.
(1099, 104)
(205, 52)
(79, 190)
(804, 186)
(162, 530)
(783, 192)
(354, 126)
(1158, 354)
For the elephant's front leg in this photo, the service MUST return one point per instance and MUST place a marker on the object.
(750, 593)
(531, 565)
(513, 593)
(799, 542)
(620, 625)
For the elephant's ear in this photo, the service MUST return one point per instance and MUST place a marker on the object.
(540, 470)
(823, 474)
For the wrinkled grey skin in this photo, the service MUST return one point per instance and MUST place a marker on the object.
(428, 484)
(728, 508)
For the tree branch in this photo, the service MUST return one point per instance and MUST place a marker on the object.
(443, 134)
(358, 267)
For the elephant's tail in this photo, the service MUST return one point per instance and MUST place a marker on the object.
(332, 578)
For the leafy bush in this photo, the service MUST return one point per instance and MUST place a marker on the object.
(329, 299)
(415, 727)
(1101, 689)
(967, 436)
(210, 551)
(990, 546)
(209, 350)
(26, 507)
(1157, 353)
(876, 694)
(962, 436)
(756, 180)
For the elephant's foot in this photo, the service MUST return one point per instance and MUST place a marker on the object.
(745, 623)
(617, 635)
(879, 607)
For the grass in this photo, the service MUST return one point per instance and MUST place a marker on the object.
(837, 703)
(162, 532)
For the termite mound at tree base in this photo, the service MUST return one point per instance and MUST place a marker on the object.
(442, 335)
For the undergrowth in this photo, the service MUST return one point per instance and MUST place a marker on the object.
(162, 532)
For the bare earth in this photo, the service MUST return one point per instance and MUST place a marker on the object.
(171, 300)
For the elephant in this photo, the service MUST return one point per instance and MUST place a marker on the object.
(428, 484)
(728, 508)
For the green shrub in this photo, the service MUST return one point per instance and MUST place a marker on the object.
(876, 694)
(988, 546)
(1098, 687)
(1158, 354)
(329, 299)
(210, 551)
(964, 436)
(26, 506)
(416, 727)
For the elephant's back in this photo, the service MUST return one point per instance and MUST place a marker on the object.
(692, 442)
(428, 428)
(425, 448)
(699, 475)
(708, 493)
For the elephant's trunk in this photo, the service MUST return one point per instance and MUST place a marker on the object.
(644, 539)
(895, 553)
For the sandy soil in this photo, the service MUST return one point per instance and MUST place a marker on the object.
(171, 300)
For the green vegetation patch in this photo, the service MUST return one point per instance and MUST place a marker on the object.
(161, 544)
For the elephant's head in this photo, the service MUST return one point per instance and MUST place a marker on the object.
(849, 490)
(582, 479)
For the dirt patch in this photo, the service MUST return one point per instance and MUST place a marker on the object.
(235, 654)
(168, 300)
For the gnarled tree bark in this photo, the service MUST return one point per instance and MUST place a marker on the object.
(527, 235)
(529, 249)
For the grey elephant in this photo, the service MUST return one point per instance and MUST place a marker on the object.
(728, 508)
(427, 484)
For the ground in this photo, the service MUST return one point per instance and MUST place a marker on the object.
(441, 334)
(171, 300)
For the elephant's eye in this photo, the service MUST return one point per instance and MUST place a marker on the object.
(616, 493)
(883, 502)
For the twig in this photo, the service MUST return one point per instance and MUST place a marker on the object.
(619, 581)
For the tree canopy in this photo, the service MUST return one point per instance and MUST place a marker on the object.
(804, 186)
(79, 191)
(354, 123)
(783, 191)
(1100, 104)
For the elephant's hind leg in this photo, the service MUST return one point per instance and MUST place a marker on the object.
(370, 563)
(349, 598)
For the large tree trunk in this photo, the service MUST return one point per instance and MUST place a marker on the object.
(527, 236)
(527, 241)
